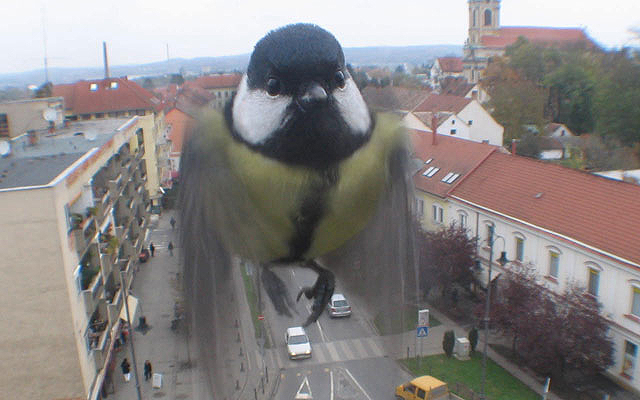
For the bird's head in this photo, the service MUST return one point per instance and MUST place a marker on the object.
(297, 102)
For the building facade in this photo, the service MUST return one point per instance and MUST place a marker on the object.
(573, 227)
(18, 117)
(73, 218)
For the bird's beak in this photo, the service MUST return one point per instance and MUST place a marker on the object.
(311, 96)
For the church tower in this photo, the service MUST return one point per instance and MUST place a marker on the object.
(484, 19)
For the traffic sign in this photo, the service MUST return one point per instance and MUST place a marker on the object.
(260, 317)
(423, 317)
(422, 331)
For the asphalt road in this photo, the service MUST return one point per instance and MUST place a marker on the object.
(348, 359)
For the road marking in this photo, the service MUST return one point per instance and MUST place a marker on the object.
(319, 354)
(331, 380)
(374, 346)
(360, 348)
(324, 338)
(347, 351)
(357, 384)
(332, 350)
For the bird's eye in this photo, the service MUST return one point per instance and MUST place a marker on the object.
(340, 80)
(273, 87)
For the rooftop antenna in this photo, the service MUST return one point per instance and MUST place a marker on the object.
(44, 35)
(106, 60)
(168, 66)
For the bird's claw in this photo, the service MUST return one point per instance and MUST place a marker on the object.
(320, 292)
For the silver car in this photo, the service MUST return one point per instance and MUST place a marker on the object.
(298, 345)
(338, 306)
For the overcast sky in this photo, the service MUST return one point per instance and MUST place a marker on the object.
(138, 31)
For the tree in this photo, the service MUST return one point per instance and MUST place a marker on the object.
(45, 90)
(148, 84)
(529, 145)
(448, 341)
(447, 257)
(553, 334)
(473, 338)
(176, 79)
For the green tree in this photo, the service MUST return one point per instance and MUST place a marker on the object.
(473, 338)
(148, 84)
(448, 342)
(45, 90)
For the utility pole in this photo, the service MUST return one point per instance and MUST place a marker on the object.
(44, 37)
(124, 290)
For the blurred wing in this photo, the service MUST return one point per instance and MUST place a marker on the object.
(379, 265)
(213, 213)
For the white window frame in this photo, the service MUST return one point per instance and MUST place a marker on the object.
(519, 239)
(437, 214)
(554, 251)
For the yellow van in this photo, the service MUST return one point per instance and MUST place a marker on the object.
(423, 388)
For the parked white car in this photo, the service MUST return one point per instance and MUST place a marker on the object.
(298, 345)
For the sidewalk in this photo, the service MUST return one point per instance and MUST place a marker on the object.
(156, 286)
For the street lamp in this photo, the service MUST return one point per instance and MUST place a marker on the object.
(502, 261)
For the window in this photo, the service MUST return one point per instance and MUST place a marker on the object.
(635, 302)
(475, 17)
(462, 219)
(428, 161)
(629, 361)
(489, 235)
(554, 263)
(421, 393)
(450, 177)
(471, 121)
(438, 214)
(453, 122)
(594, 282)
(4, 125)
(519, 249)
(93, 87)
(114, 85)
(487, 17)
(420, 207)
(453, 132)
(431, 171)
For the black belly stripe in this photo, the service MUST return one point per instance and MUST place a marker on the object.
(310, 213)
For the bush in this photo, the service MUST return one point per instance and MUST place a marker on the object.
(473, 338)
(448, 341)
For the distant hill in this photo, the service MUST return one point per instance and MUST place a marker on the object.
(381, 56)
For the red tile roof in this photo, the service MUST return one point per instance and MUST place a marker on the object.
(455, 86)
(443, 103)
(450, 155)
(450, 64)
(217, 81)
(593, 210)
(393, 98)
(125, 95)
(562, 36)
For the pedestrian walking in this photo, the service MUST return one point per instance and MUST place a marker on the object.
(126, 369)
(147, 370)
(152, 248)
(170, 247)
(173, 223)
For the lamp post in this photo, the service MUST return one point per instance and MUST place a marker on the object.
(502, 261)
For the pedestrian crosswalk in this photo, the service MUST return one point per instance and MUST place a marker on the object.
(336, 351)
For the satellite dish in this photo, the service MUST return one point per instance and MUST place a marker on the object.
(5, 148)
(50, 114)
(92, 135)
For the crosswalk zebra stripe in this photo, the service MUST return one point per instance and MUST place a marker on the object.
(357, 344)
(319, 354)
(346, 350)
(375, 347)
(332, 351)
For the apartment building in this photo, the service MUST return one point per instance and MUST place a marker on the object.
(74, 208)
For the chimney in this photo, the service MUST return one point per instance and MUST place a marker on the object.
(106, 61)
(434, 127)
(513, 146)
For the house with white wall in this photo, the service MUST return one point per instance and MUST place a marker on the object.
(456, 116)
(572, 226)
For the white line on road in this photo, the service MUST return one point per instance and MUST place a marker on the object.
(331, 377)
(357, 384)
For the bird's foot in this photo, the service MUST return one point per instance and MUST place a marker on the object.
(320, 292)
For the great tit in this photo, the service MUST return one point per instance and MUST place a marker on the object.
(296, 169)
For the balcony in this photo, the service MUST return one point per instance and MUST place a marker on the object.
(114, 306)
(93, 291)
(115, 185)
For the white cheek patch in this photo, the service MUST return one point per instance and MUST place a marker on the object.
(352, 107)
(256, 115)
